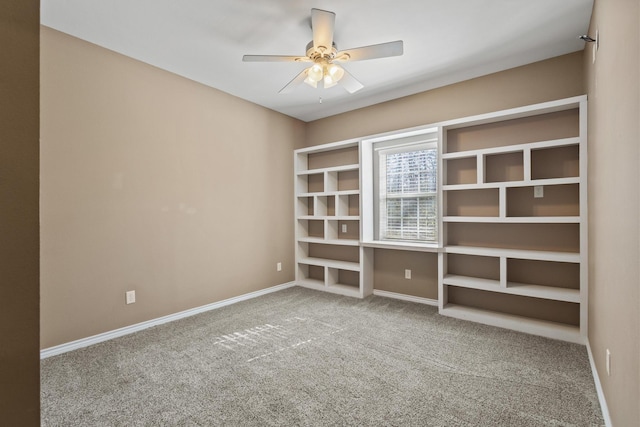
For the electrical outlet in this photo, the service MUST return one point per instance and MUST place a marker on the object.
(608, 363)
(131, 297)
(279, 266)
(407, 274)
(344, 228)
(538, 191)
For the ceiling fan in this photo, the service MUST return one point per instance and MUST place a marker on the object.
(323, 53)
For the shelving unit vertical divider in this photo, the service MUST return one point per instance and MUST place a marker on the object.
(526, 163)
(442, 211)
(502, 202)
(481, 163)
(503, 272)
(584, 219)
(443, 291)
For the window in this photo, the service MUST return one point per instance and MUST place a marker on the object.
(406, 188)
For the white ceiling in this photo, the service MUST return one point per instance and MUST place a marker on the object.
(445, 41)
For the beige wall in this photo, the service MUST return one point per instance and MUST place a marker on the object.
(614, 233)
(555, 78)
(153, 183)
(388, 272)
(19, 275)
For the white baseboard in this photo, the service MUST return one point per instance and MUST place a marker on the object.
(403, 297)
(599, 391)
(105, 336)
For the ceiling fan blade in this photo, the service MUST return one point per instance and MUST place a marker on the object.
(350, 83)
(381, 50)
(322, 24)
(297, 80)
(274, 58)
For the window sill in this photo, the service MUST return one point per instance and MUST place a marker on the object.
(406, 246)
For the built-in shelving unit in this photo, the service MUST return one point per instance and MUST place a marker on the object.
(512, 218)
(514, 222)
(327, 209)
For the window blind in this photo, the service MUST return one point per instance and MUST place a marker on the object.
(408, 194)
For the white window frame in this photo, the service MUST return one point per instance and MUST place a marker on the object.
(382, 197)
(369, 180)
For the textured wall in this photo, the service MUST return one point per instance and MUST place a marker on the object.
(154, 183)
(612, 82)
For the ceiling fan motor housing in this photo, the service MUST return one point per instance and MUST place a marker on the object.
(321, 52)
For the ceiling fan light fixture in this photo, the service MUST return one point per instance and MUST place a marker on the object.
(315, 73)
(329, 82)
(310, 82)
(335, 72)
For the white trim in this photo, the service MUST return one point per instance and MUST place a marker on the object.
(599, 391)
(402, 245)
(105, 336)
(404, 297)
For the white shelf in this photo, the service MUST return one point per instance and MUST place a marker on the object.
(528, 325)
(331, 193)
(512, 148)
(343, 168)
(341, 242)
(515, 219)
(350, 291)
(334, 217)
(311, 283)
(506, 184)
(341, 289)
(405, 246)
(323, 262)
(546, 292)
(514, 253)
(521, 289)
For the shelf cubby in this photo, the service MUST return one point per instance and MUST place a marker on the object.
(315, 183)
(305, 205)
(331, 158)
(311, 274)
(514, 131)
(555, 162)
(348, 180)
(323, 206)
(561, 331)
(551, 237)
(339, 277)
(561, 275)
(482, 202)
(463, 170)
(336, 230)
(558, 200)
(311, 228)
(550, 310)
(334, 252)
(483, 267)
(504, 167)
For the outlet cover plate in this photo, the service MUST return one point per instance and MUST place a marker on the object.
(131, 297)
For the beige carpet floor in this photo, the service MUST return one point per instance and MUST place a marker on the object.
(304, 358)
